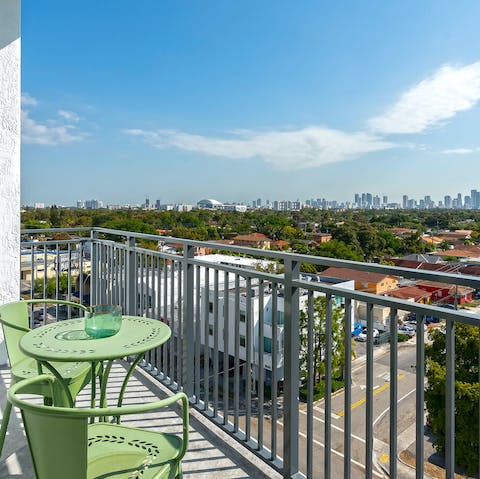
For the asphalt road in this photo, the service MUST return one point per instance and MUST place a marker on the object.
(381, 403)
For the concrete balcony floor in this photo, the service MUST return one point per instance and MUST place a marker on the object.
(211, 452)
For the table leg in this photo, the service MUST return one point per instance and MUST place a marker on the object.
(125, 381)
(94, 384)
(59, 378)
(103, 386)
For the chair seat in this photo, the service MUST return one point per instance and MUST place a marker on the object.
(27, 368)
(126, 453)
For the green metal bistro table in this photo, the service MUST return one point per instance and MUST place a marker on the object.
(66, 341)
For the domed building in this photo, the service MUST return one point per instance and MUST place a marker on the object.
(210, 204)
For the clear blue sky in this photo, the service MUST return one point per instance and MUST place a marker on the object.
(235, 100)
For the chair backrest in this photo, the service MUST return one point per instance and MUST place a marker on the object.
(14, 319)
(57, 439)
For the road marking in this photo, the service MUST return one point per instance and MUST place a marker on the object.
(364, 399)
(388, 408)
(319, 419)
(340, 454)
(319, 409)
(384, 458)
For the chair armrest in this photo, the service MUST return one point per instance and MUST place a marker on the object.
(56, 301)
(13, 326)
(98, 412)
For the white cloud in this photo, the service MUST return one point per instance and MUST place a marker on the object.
(28, 100)
(437, 98)
(287, 150)
(54, 131)
(69, 115)
(34, 132)
(49, 132)
(460, 151)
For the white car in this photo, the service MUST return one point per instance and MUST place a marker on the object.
(362, 337)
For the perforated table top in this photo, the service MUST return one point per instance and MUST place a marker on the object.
(67, 341)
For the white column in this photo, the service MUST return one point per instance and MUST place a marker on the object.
(10, 96)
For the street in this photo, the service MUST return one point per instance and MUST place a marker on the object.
(381, 403)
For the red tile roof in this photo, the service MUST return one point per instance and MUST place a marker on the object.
(467, 252)
(409, 292)
(353, 274)
(252, 237)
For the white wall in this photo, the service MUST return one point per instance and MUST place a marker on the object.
(9, 154)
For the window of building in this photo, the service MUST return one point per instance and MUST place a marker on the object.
(210, 329)
(267, 345)
(243, 341)
(243, 316)
(210, 307)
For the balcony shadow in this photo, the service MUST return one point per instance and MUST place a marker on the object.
(211, 453)
(9, 22)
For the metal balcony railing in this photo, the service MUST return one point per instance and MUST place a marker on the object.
(241, 335)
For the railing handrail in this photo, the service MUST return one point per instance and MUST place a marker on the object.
(453, 278)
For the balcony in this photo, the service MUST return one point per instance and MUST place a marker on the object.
(235, 351)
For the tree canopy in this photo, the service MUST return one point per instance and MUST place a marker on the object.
(467, 392)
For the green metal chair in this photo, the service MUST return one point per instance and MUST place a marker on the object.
(14, 320)
(63, 444)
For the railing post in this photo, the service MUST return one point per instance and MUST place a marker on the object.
(188, 333)
(450, 400)
(292, 370)
(131, 277)
(94, 267)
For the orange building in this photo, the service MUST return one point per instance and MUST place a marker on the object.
(254, 240)
(376, 283)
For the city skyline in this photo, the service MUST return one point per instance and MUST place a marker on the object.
(363, 200)
(195, 102)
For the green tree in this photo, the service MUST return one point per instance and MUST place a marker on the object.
(51, 285)
(54, 217)
(338, 249)
(319, 329)
(467, 392)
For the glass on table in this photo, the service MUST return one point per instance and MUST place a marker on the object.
(103, 320)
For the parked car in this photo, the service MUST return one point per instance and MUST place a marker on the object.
(406, 330)
(447, 306)
(413, 325)
(362, 337)
(357, 329)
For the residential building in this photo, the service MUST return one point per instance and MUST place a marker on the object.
(375, 283)
(253, 240)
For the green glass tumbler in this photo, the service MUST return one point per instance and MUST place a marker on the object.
(103, 320)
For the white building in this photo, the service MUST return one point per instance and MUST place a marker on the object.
(228, 309)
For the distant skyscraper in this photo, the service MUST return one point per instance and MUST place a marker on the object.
(357, 198)
(385, 200)
(459, 200)
(157, 204)
(259, 202)
(369, 199)
(405, 201)
(447, 201)
(475, 199)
